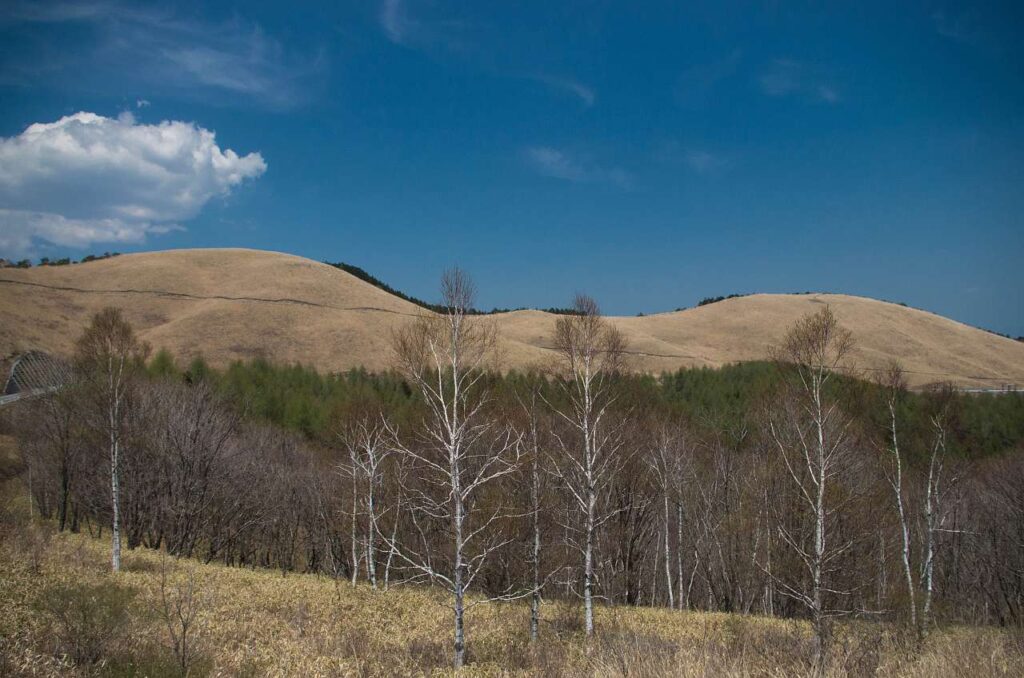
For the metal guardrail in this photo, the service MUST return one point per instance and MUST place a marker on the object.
(24, 395)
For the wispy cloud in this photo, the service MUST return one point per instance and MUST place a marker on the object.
(559, 164)
(958, 26)
(395, 21)
(159, 50)
(697, 159)
(695, 84)
(704, 162)
(584, 93)
(54, 12)
(424, 27)
(786, 77)
(402, 27)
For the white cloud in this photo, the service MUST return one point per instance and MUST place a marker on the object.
(697, 159)
(87, 178)
(555, 163)
(961, 27)
(785, 77)
(583, 92)
(395, 21)
(426, 30)
(704, 162)
(697, 83)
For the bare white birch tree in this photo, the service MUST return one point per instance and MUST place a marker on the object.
(369, 442)
(811, 436)
(894, 385)
(461, 450)
(935, 509)
(590, 351)
(666, 462)
(534, 446)
(108, 355)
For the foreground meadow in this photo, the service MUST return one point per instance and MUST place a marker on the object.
(59, 601)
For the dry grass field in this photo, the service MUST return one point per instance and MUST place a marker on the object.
(58, 599)
(227, 304)
(261, 623)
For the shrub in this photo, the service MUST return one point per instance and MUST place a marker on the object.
(89, 621)
(179, 606)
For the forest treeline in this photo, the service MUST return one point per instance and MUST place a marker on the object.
(300, 398)
(365, 276)
(787, 488)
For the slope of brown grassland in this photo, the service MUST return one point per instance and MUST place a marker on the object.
(227, 304)
(263, 623)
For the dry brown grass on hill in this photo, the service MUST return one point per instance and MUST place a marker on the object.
(228, 304)
(59, 600)
(260, 623)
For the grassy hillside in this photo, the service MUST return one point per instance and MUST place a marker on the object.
(232, 304)
(261, 623)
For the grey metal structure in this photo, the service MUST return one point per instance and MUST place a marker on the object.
(35, 373)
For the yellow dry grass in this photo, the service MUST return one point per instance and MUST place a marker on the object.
(227, 304)
(261, 623)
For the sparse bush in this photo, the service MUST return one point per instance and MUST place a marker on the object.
(427, 654)
(179, 605)
(89, 621)
(566, 618)
(621, 652)
(27, 540)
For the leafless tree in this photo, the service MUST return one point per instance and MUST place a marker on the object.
(810, 433)
(191, 441)
(936, 508)
(667, 462)
(590, 351)
(537, 441)
(893, 383)
(461, 451)
(108, 354)
(179, 605)
(369, 443)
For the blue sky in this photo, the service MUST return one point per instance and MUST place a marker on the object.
(646, 153)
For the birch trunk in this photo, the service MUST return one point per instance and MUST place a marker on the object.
(371, 544)
(355, 536)
(588, 571)
(668, 560)
(535, 499)
(679, 552)
(115, 493)
(932, 517)
(897, 486)
(114, 379)
(817, 611)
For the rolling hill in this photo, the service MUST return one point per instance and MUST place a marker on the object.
(227, 304)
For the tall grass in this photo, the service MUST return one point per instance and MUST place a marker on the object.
(256, 623)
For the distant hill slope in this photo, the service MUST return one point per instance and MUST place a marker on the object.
(233, 303)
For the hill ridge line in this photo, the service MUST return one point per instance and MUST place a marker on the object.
(200, 297)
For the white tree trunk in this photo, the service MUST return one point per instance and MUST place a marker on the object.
(459, 584)
(668, 559)
(355, 536)
(115, 492)
(679, 551)
(932, 520)
(535, 499)
(897, 486)
(115, 466)
(588, 570)
(371, 533)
